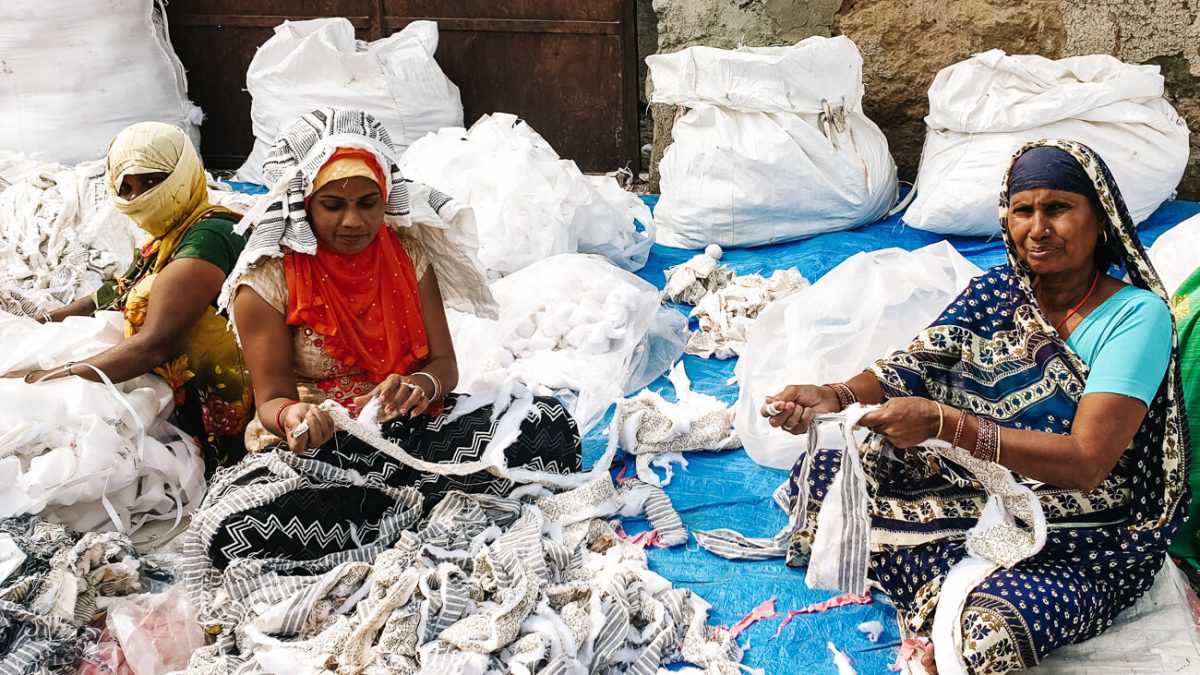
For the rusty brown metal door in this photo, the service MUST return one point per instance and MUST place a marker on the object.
(568, 67)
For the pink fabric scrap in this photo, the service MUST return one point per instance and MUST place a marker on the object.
(908, 649)
(764, 611)
(643, 539)
(839, 601)
(621, 477)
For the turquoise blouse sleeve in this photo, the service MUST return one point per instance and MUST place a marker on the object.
(1129, 345)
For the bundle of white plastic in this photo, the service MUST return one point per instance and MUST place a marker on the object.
(529, 203)
(984, 109)
(318, 63)
(775, 145)
(84, 453)
(862, 310)
(74, 74)
(60, 236)
(572, 326)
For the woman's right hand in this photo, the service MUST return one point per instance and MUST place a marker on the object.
(320, 427)
(797, 405)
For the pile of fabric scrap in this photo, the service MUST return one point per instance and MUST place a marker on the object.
(656, 432)
(725, 304)
(534, 582)
(54, 583)
(60, 236)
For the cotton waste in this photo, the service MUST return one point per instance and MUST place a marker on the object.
(573, 326)
(60, 236)
(726, 304)
(530, 204)
(91, 455)
(318, 63)
(770, 144)
(539, 581)
(75, 74)
(54, 583)
(656, 432)
(983, 109)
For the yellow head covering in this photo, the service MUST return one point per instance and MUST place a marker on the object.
(342, 168)
(170, 208)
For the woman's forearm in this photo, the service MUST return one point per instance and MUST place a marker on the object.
(445, 369)
(81, 307)
(1055, 459)
(866, 388)
(133, 357)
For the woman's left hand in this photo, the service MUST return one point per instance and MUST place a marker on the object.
(905, 422)
(398, 396)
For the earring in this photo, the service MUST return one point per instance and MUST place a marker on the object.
(1104, 236)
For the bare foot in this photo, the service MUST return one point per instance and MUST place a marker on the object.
(927, 661)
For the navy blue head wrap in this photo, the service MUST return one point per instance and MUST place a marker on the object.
(1050, 168)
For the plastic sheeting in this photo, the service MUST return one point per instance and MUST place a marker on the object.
(727, 489)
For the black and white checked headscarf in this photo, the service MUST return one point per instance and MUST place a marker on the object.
(300, 150)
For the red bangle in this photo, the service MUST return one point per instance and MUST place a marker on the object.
(279, 416)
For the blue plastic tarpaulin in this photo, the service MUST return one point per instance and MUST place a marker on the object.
(727, 489)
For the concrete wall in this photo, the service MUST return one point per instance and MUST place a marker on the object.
(905, 42)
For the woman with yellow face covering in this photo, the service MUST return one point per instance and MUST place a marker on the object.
(172, 327)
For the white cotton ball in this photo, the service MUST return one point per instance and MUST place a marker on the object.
(713, 251)
(587, 311)
(541, 343)
(872, 629)
(577, 337)
(504, 358)
(525, 329)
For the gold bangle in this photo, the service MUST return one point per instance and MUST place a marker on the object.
(941, 420)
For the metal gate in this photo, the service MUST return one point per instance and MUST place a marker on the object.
(568, 67)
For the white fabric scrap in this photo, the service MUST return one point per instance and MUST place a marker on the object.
(60, 236)
(726, 304)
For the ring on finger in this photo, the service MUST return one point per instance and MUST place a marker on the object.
(300, 429)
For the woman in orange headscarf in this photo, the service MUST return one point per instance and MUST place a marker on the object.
(330, 302)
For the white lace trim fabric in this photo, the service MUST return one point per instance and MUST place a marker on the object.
(656, 431)
(60, 236)
(726, 304)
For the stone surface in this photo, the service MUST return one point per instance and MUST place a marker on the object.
(906, 42)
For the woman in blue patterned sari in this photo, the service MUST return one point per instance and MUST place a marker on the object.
(1055, 369)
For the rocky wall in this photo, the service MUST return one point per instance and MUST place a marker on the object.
(906, 42)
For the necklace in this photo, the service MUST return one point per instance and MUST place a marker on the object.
(1076, 307)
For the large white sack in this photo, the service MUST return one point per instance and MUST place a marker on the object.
(318, 63)
(860, 311)
(82, 453)
(571, 326)
(60, 236)
(73, 74)
(1176, 254)
(775, 147)
(529, 203)
(984, 109)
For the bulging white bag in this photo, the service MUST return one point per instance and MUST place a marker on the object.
(1176, 254)
(775, 147)
(74, 74)
(984, 109)
(529, 203)
(862, 310)
(87, 454)
(318, 63)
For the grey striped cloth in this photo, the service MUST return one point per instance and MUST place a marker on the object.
(478, 584)
(840, 547)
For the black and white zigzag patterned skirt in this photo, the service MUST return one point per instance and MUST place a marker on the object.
(326, 514)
